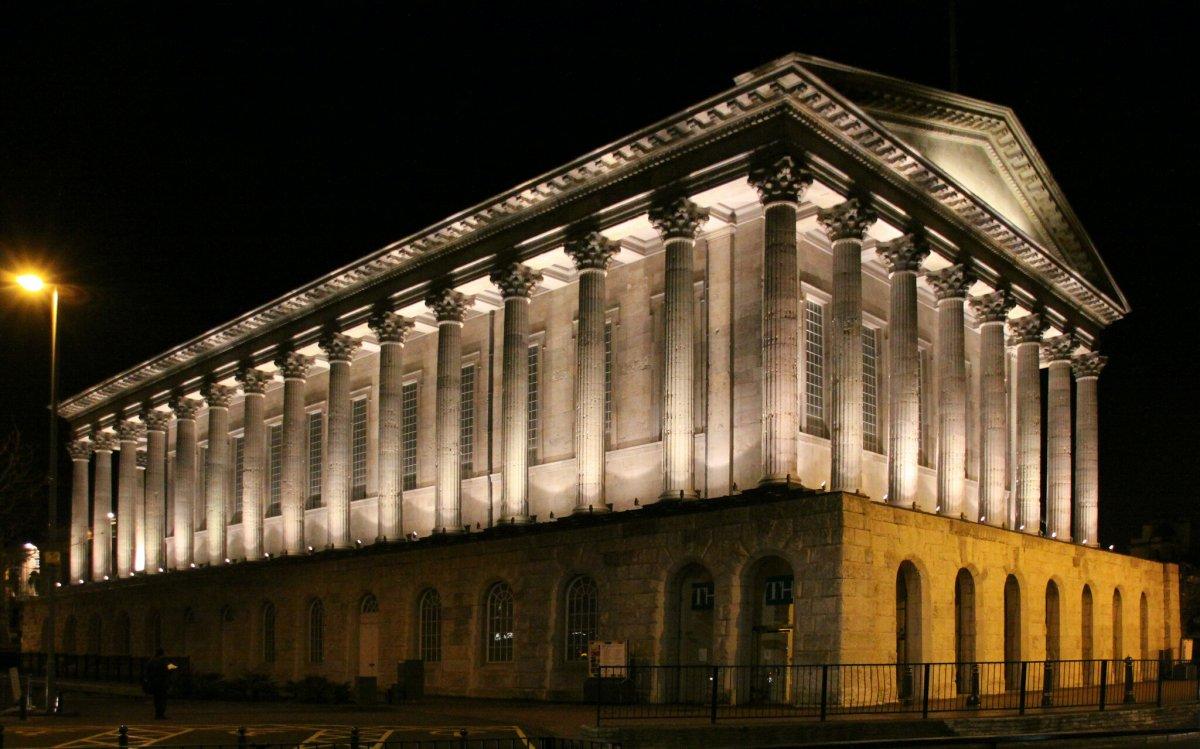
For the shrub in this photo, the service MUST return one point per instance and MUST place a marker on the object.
(318, 690)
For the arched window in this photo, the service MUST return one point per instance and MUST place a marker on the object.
(68, 637)
(1144, 627)
(121, 639)
(908, 628)
(1118, 627)
(1052, 632)
(94, 636)
(316, 632)
(964, 628)
(369, 604)
(581, 617)
(1087, 651)
(1012, 633)
(268, 632)
(499, 624)
(429, 615)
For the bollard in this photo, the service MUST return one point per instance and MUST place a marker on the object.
(241, 741)
(354, 738)
(973, 699)
(1129, 698)
(123, 736)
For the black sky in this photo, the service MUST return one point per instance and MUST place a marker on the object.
(180, 163)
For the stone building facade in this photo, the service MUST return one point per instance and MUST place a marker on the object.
(793, 337)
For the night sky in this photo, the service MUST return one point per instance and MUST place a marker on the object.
(180, 163)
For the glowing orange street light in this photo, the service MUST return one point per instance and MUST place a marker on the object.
(31, 282)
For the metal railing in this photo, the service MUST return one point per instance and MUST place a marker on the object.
(817, 692)
(117, 668)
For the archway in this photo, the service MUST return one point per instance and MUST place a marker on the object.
(908, 628)
(1118, 626)
(1088, 653)
(691, 601)
(767, 593)
(1012, 633)
(964, 629)
(368, 647)
(1053, 652)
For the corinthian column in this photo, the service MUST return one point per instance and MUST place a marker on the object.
(1026, 336)
(335, 473)
(846, 224)
(185, 478)
(449, 307)
(254, 451)
(1087, 447)
(293, 483)
(156, 487)
(390, 330)
(950, 287)
(592, 253)
(103, 444)
(677, 221)
(81, 454)
(781, 184)
(216, 468)
(991, 310)
(128, 433)
(516, 283)
(1057, 352)
(903, 257)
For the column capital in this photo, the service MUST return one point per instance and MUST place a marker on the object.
(951, 282)
(780, 180)
(1027, 329)
(849, 219)
(79, 449)
(294, 365)
(129, 430)
(142, 459)
(591, 251)
(516, 281)
(155, 420)
(1088, 364)
(676, 217)
(449, 305)
(216, 396)
(1059, 348)
(389, 327)
(103, 442)
(185, 408)
(253, 381)
(338, 346)
(905, 253)
(993, 307)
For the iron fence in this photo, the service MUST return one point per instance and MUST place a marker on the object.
(820, 691)
(118, 668)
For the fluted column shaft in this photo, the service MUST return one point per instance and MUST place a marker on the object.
(254, 454)
(156, 489)
(1087, 448)
(449, 307)
(846, 225)
(390, 330)
(991, 310)
(126, 480)
(1058, 352)
(139, 515)
(293, 483)
(81, 454)
(592, 254)
(216, 472)
(950, 285)
(185, 480)
(516, 283)
(103, 444)
(335, 473)
(1027, 339)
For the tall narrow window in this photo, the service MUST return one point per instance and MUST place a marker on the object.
(429, 613)
(169, 530)
(922, 411)
(534, 405)
(608, 380)
(200, 504)
(814, 368)
(358, 452)
(972, 471)
(276, 476)
(466, 420)
(408, 409)
(870, 407)
(315, 425)
(239, 467)
(500, 624)
(268, 632)
(581, 618)
(316, 632)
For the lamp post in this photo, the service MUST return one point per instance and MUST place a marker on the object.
(34, 284)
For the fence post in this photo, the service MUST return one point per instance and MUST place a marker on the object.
(1158, 699)
(1103, 683)
(1129, 698)
(123, 736)
(824, 690)
(1048, 684)
(973, 699)
(712, 708)
(925, 690)
(354, 741)
(1024, 673)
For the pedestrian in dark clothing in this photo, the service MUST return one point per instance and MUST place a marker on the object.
(158, 670)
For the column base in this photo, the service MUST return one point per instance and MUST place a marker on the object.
(516, 520)
(788, 481)
(678, 496)
(449, 531)
(592, 510)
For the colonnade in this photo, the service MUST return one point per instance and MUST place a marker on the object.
(781, 182)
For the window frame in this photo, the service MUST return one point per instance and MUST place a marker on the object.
(575, 621)
(429, 626)
(499, 621)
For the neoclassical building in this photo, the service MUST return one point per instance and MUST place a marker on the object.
(805, 373)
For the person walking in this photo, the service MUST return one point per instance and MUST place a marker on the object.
(158, 671)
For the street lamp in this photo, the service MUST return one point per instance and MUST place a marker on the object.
(35, 284)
